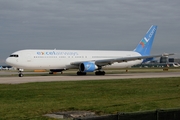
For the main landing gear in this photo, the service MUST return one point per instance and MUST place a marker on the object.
(20, 72)
(96, 73)
(100, 73)
(81, 73)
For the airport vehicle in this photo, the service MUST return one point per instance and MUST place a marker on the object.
(5, 67)
(83, 60)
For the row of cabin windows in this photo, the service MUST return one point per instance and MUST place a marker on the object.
(60, 56)
(15, 55)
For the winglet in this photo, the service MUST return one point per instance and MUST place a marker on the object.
(145, 45)
(167, 54)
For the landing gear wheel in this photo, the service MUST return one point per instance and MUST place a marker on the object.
(81, 73)
(100, 73)
(20, 75)
(20, 72)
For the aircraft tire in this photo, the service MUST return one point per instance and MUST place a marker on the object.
(20, 75)
(100, 73)
(81, 73)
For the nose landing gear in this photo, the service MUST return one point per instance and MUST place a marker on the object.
(20, 72)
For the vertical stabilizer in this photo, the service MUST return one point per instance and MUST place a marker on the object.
(145, 45)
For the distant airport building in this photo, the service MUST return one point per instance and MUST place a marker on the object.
(171, 60)
(163, 59)
(174, 60)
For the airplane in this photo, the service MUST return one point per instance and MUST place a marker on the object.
(83, 60)
(176, 65)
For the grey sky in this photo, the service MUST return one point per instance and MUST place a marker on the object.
(87, 24)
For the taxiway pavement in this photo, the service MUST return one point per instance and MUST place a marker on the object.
(28, 79)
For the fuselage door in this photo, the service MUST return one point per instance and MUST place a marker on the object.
(29, 57)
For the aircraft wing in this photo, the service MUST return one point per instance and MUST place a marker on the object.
(105, 62)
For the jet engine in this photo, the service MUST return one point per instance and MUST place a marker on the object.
(87, 67)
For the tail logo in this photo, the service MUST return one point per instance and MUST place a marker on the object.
(147, 38)
(143, 42)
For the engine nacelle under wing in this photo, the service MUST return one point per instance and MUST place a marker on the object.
(87, 67)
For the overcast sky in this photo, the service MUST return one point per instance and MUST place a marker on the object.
(87, 24)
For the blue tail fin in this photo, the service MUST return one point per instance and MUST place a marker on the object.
(145, 45)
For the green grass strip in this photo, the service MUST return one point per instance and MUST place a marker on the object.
(32, 100)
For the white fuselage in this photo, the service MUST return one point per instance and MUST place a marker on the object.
(62, 59)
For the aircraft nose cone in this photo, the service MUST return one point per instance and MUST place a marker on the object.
(8, 61)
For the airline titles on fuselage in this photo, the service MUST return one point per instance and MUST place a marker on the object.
(57, 53)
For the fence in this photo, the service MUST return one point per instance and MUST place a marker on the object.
(168, 114)
(159, 114)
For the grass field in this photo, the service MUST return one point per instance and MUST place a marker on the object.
(32, 100)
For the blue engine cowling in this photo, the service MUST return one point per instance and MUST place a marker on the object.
(87, 67)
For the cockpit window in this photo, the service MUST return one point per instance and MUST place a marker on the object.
(14, 55)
